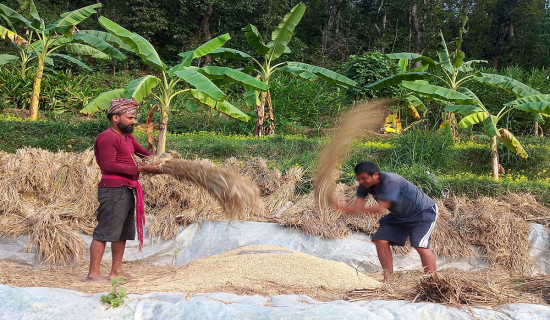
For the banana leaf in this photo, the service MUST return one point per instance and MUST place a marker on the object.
(140, 88)
(102, 101)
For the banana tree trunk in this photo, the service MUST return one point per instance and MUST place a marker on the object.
(161, 144)
(35, 95)
(452, 121)
(538, 130)
(494, 158)
(260, 114)
(269, 116)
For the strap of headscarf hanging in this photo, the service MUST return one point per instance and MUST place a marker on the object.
(140, 205)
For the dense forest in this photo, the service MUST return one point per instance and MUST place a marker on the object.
(504, 32)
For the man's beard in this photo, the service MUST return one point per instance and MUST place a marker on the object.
(128, 129)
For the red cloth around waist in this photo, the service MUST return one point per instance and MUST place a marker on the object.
(140, 204)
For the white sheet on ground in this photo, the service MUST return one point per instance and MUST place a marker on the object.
(48, 303)
(212, 237)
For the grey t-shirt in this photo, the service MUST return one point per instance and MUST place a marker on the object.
(407, 201)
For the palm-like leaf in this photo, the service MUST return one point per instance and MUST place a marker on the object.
(139, 45)
(284, 31)
(490, 126)
(472, 119)
(31, 13)
(105, 36)
(325, 74)
(398, 78)
(512, 143)
(417, 103)
(71, 59)
(537, 107)
(254, 39)
(468, 65)
(211, 45)
(222, 106)
(15, 16)
(252, 98)
(229, 53)
(7, 58)
(437, 92)
(102, 101)
(444, 57)
(233, 76)
(100, 45)
(86, 50)
(463, 109)
(298, 73)
(68, 20)
(412, 56)
(201, 82)
(140, 88)
(9, 35)
(205, 49)
(508, 84)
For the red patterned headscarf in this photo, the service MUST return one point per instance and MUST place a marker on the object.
(120, 106)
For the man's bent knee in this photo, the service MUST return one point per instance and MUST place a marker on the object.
(381, 242)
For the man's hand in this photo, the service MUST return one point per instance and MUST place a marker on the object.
(151, 168)
(336, 204)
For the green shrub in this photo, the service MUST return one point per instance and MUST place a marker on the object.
(307, 104)
(366, 69)
(428, 149)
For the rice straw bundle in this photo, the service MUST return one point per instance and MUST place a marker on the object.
(447, 239)
(525, 206)
(456, 288)
(234, 193)
(303, 216)
(56, 242)
(353, 126)
(489, 287)
(501, 236)
(539, 285)
(279, 200)
(267, 180)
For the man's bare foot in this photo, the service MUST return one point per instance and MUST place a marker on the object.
(125, 275)
(389, 278)
(99, 279)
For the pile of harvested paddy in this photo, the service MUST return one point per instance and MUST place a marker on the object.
(262, 270)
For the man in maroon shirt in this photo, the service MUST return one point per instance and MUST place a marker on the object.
(115, 150)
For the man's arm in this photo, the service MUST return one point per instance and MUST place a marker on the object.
(358, 207)
(106, 156)
(139, 150)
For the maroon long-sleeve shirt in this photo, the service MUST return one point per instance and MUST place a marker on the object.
(114, 154)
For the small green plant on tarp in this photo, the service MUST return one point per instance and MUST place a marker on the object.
(115, 298)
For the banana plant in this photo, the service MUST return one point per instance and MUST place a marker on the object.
(528, 99)
(442, 81)
(265, 66)
(42, 41)
(201, 83)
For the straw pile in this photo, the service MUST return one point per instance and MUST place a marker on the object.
(61, 187)
(491, 287)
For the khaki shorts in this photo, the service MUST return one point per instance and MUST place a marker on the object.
(115, 214)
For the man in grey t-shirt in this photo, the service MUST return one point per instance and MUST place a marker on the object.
(412, 214)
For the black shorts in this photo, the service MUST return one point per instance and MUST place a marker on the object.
(397, 231)
(115, 214)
